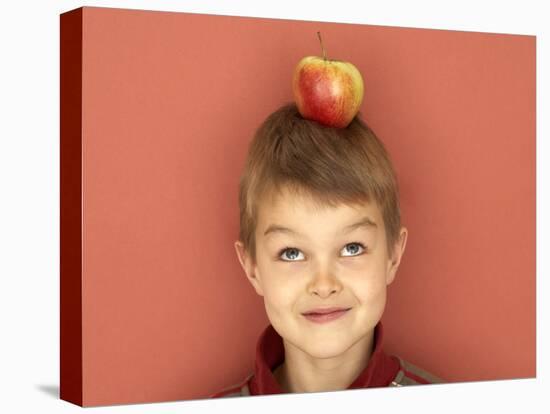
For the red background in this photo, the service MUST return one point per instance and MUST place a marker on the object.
(169, 102)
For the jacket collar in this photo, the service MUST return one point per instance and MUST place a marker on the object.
(270, 353)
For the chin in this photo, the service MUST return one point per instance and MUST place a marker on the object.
(328, 349)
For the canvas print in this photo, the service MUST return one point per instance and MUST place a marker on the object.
(255, 206)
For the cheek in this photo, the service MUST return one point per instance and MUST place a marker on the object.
(281, 291)
(370, 288)
(370, 295)
(369, 291)
(280, 303)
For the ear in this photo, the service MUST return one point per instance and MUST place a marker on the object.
(248, 266)
(395, 260)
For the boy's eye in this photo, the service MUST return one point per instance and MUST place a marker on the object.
(292, 252)
(355, 248)
(289, 253)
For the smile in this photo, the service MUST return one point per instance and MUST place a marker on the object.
(325, 317)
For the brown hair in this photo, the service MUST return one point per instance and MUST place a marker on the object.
(329, 165)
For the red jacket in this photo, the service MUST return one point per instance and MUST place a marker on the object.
(382, 370)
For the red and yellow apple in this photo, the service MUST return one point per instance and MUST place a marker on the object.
(328, 91)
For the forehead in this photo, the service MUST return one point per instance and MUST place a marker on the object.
(305, 216)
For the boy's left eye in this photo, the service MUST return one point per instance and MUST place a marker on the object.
(296, 251)
(354, 250)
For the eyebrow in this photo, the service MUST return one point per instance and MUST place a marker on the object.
(364, 222)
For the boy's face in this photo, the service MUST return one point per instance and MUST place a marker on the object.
(323, 266)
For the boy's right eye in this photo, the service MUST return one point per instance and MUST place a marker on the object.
(289, 253)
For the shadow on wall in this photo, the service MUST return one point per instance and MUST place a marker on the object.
(51, 390)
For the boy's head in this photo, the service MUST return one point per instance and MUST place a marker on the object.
(317, 182)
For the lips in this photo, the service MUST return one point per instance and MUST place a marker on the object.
(325, 315)
(324, 311)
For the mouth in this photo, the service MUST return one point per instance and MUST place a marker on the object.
(325, 315)
(324, 311)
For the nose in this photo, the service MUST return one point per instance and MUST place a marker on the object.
(324, 284)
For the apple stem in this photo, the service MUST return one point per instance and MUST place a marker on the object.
(322, 47)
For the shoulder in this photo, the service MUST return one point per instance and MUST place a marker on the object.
(410, 374)
(239, 389)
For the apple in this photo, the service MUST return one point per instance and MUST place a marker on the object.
(328, 91)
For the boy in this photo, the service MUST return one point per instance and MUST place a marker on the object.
(320, 240)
